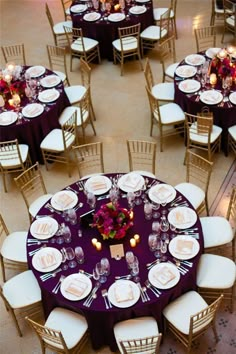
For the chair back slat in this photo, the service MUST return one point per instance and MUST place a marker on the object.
(89, 158)
(14, 53)
(142, 155)
(146, 345)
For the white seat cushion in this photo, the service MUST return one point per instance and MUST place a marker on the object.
(171, 113)
(216, 230)
(75, 93)
(170, 70)
(159, 11)
(89, 44)
(193, 193)
(129, 44)
(11, 163)
(61, 75)
(179, 311)
(203, 138)
(22, 290)
(71, 324)
(215, 272)
(67, 113)
(164, 91)
(145, 173)
(58, 28)
(153, 33)
(37, 204)
(232, 131)
(14, 246)
(231, 21)
(54, 141)
(140, 327)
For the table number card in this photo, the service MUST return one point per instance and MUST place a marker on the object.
(117, 251)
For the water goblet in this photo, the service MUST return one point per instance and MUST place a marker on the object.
(67, 234)
(135, 269)
(156, 227)
(158, 254)
(163, 250)
(147, 208)
(164, 225)
(152, 242)
(106, 266)
(72, 216)
(155, 207)
(91, 200)
(70, 256)
(129, 256)
(100, 270)
(79, 254)
(59, 234)
(130, 199)
(138, 194)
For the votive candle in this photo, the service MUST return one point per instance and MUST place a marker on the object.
(137, 238)
(94, 241)
(98, 246)
(132, 242)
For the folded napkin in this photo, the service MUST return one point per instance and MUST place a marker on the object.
(182, 217)
(64, 200)
(162, 193)
(35, 71)
(47, 260)
(92, 16)
(98, 183)
(194, 59)
(184, 247)
(51, 80)
(138, 9)
(77, 287)
(123, 292)
(164, 275)
(7, 118)
(131, 181)
(32, 110)
(186, 71)
(189, 85)
(211, 96)
(42, 228)
(48, 96)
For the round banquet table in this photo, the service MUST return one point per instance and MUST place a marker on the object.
(101, 320)
(105, 31)
(224, 112)
(31, 131)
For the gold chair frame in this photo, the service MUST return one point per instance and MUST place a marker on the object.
(142, 345)
(85, 71)
(205, 37)
(142, 154)
(216, 13)
(89, 158)
(172, 7)
(59, 38)
(57, 60)
(66, 8)
(232, 143)
(229, 11)
(167, 51)
(14, 53)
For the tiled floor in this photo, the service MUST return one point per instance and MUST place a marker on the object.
(122, 112)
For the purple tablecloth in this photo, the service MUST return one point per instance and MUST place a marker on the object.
(101, 321)
(224, 113)
(105, 32)
(32, 131)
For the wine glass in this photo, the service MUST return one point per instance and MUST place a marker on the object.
(67, 234)
(152, 242)
(101, 271)
(130, 199)
(135, 269)
(79, 254)
(147, 208)
(91, 200)
(70, 256)
(106, 266)
(72, 216)
(156, 227)
(129, 256)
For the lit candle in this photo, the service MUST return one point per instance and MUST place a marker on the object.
(132, 242)
(137, 238)
(7, 78)
(116, 7)
(98, 246)
(10, 101)
(10, 67)
(222, 54)
(94, 241)
(213, 79)
(230, 50)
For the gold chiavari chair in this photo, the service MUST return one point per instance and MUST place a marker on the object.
(205, 37)
(142, 157)
(14, 53)
(57, 62)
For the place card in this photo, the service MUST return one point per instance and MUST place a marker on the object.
(117, 251)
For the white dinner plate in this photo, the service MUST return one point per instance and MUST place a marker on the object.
(47, 259)
(142, 1)
(164, 275)
(189, 86)
(36, 71)
(123, 293)
(49, 95)
(50, 81)
(162, 193)
(131, 182)
(7, 118)
(92, 16)
(195, 59)
(76, 287)
(186, 71)
(184, 247)
(232, 97)
(64, 200)
(32, 110)
(44, 228)
(78, 8)
(98, 184)
(211, 52)
(211, 97)
(182, 217)
(137, 10)
(116, 17)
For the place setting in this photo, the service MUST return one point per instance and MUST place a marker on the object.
(49, 95)
(138, 10)
(36, 71)
(50, 81)
(63, 200)
(131, 182)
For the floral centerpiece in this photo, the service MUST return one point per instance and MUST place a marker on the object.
(112, 221)
(223, 66)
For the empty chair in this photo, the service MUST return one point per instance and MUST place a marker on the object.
(89, 158)
(14, 53)
(154, 34)
(56, 146)
(158, 11)
(216, 275)
(127, 45)
(168, 117)
(189, 316)
(163, 91)
(81, 47)
(217, 230)
(217, 13)
(142, 157)
(63, 332)
(205, 37)
(57, 62)
(66, 8)
(57, 29)
(31, 185)
(13, 249)
(138, 335)
(232, 138)
(168, 58)
(14, 157)
(229, 18)
(195, 189)
(21, 295)
(202, 134)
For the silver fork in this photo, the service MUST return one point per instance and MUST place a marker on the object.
(57, 286)
(31, 253)
(50, 275)
(71, 189)
(154, 290)
(104, 295)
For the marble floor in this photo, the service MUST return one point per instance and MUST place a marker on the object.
(122, 112)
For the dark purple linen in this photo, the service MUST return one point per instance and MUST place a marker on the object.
(33, 130)
(101, 321)
(105, 32)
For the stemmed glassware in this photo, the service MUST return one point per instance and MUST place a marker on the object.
(70, 256)
(101, 272)
(131, 198)
(91, 200)
(106, 266)
(129, 256)
(135, 269)
(79, 254)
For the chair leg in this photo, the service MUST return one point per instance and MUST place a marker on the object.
(3, 269)
(4, 182)
(16, 322)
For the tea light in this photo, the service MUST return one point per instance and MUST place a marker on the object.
(10, 101)
(131, 214)
(132, 242)
(7, 78)
(98, 246)
(222, 54)
(94, 242)
(230, 50)
(10, 67)
(117, 7)
(137, 238)
(213, 79)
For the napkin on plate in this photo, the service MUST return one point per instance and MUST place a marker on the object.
(184, 247)
(47, 260)
(7, 119)
(182, 217)
(123, 292)
(64, 200)
(162, 193)
(211, 96)
(76, 287)
(32, 110)
(164, 275)
(51, 80)
(131, 181)
(42, 228)
(48, 96)
(98, 183)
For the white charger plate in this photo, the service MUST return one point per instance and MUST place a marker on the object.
(137, 10)
(189, 217)
(52, 224)
(142, 1)
(128, 303)
(186, 71)
(78, 8)
(125, 182)
(97, 179)
(32, 110)
(232, 97)
(116, 17)
(7, 118)
(211, 97)
(92, 16)
(182, 256)
(58, 205)
(158, 268)
(195, 59)
(189, 86)
(211, 52)
(170, 193)
(75, 277)
(36, 71)
(49, 95)
(50, 81)
(43, 251)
